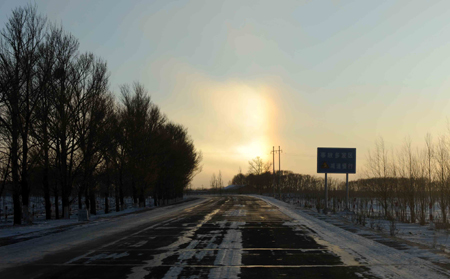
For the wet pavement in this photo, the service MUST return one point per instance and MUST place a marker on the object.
(225, 237)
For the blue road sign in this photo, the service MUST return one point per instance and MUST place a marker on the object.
(336, 160)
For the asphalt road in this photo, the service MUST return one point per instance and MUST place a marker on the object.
(224, 237)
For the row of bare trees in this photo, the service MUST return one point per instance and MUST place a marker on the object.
(216, 183)
(63, 134)
(259, 179)
(409, 182)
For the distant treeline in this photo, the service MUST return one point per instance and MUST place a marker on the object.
(63, 134)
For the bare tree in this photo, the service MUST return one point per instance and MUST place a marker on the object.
(140, 120)
(259, 174)
(19, 45)
(382, 186)
(421, 186)
(430, 187)
(219, 182)
(213, 182)
(442, 159)
(95, 107)
(410, 174)
(257, 166)
(5, 170)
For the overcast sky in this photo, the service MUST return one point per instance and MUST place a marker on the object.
(244, 76)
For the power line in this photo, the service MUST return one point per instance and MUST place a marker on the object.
(276, 181)
(279, 158)
(298, 155)
(279, 168)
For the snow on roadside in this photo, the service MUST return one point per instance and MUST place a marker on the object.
(383, 261)
(421, 234)
(37, 248)
(39, 225)
(413, 232)
(414, 239)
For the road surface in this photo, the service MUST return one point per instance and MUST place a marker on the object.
(224, 237)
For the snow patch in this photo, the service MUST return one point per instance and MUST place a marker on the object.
(139, 244)
(236, 213)
(107, 256)
(174, 271)
(224, 272)
(229, 255)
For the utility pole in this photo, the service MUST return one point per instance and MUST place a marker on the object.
(279, 170)
(346, 192)
(273, 165)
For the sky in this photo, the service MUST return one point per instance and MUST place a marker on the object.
(244, 76)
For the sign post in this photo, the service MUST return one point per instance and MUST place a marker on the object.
(336, 160)
(326, 193)
(346, 191)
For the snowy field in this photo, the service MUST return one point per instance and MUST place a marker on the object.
(384, 261)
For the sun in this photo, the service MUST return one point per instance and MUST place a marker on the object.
(253, 115)
(253, 149)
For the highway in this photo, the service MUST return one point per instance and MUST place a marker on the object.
(223, 237)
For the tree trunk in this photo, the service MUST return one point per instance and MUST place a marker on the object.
(80, 199)
(63, 197)
(122, 199)
(93, 203)
(134, 191)
(15, 169)
(24, 178)
(65, 205)
(444, 214)
(412, 210)
(45, 178)
(141, 198)
(48, 205)
(56, 205)
(86, 198)
(117, 199)
(155, 198)
(17, 209)
(66, 211)
(25, 201)
(106, 204)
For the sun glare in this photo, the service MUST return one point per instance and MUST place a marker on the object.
(255, 120)
(254, 149)
(244, 119)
